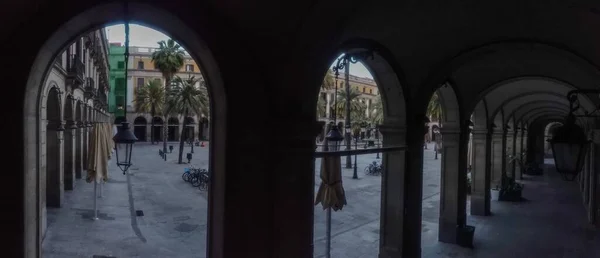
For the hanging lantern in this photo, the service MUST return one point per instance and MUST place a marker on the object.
(569, 147)
(124, 140)
(334, 138)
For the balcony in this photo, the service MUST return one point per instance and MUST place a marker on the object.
(89, 91)
(75, 70)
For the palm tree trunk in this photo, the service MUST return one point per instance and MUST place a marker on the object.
(165, 134)
(152, 113)
(182, 139)
(165, 127)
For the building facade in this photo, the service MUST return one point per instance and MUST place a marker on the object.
(116, 59)
(74, 96)
(140, 71)
(369, 95)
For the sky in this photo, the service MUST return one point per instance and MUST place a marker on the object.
(141, 36)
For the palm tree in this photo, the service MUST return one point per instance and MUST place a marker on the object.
(329, 81)
(187, 99)
(355, 105)
(376, 112)
(434, 108)
(321, 107)
(150, 99)
(168, 59)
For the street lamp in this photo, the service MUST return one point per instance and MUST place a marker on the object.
(334, 138)
(569, 146)
(569, 142)
(344, 63)
(124, 140)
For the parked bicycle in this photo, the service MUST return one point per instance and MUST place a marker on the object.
(374, 169)
(198, 177)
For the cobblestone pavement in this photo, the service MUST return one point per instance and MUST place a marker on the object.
(174, 220)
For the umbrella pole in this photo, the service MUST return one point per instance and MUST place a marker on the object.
(95, 199)
(328, 234)
(101, 186)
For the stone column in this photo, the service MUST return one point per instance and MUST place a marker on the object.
(54, 164)
(453, 191)
(515, 168)
(79, 149)
(392, 241)
(294, 146)
(586, 179)
(506, 151)
(327, 109)
(480, 174)
(148, 128)
(496, 159)
(592, 215)
(69, 170)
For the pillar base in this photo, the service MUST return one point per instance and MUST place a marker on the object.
(394, 253)
(480, 204)
(455, 234)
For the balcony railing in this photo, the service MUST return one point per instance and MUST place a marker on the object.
(75, 70)
(89, 91)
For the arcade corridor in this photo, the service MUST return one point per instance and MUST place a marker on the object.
(503, 71)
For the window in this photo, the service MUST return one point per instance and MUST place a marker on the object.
(189, 68)
(363, 90)
(140, 83)
(140, 65)
(121, 65)
(370, 91)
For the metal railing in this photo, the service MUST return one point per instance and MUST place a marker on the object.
(75, 69)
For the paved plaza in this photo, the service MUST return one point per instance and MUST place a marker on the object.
(174, 216)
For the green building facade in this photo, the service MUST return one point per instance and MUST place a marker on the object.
(118, 86)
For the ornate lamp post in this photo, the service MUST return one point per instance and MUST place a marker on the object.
(344, 63)
(124, 139)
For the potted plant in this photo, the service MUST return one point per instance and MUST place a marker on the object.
(510, 190)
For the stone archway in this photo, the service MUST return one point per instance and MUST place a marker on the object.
(69, 143)
(139, 128)
(86, 137)
(78, 140)
(453, 195)
(157, 133)
(190, 125)
(387, 77)
(481, 163)
(173, 129)
(52, 176)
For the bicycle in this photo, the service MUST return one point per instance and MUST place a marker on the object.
(374, 169)
(203, 180)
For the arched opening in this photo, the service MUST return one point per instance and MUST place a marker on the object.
(173, 133)
(139, 128)
(190, 125)
(157, 123)
(445, 180)
(44, 62)
(203, 128)
(53, 194)
(548, 134)
(78, 140)
(366, 103)
(69, 136)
